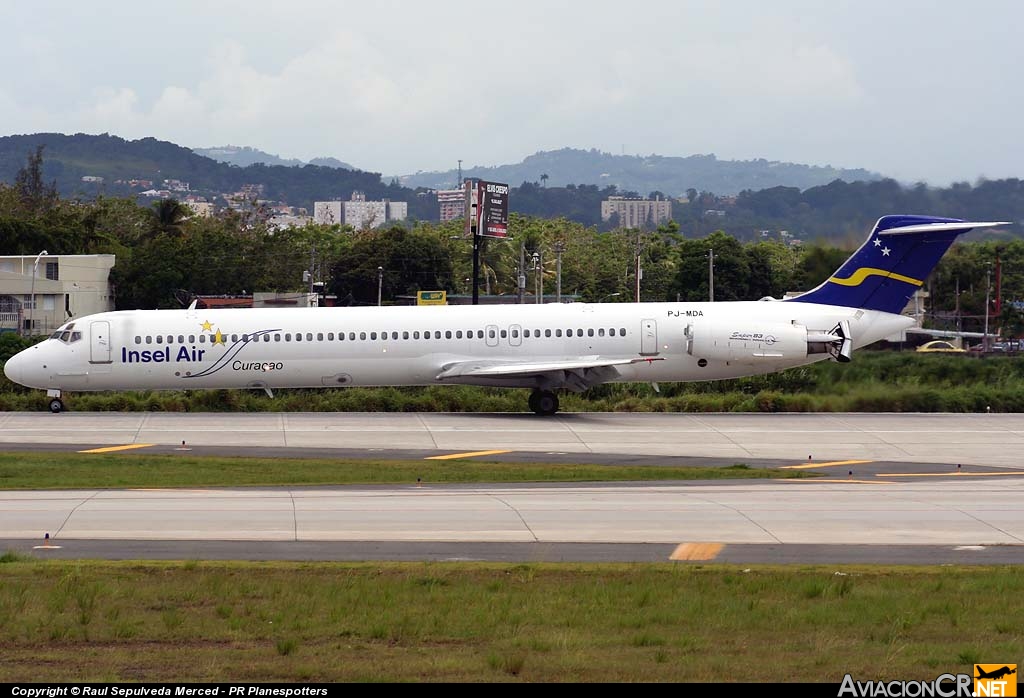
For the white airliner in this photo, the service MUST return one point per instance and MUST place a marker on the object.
(543, 348)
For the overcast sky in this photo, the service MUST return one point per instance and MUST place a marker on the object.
(918, 90)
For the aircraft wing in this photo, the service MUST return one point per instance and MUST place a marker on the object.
(573, 374)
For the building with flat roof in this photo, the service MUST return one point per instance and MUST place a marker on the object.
(358, 212)
(39, 298)
(452, 204)
(636, 213)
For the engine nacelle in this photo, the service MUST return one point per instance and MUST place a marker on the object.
(737, 341)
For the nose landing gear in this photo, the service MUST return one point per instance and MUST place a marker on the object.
(56, 404)
(543, 402)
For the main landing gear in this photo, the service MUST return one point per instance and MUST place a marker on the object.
(56, 404)
(544, 402)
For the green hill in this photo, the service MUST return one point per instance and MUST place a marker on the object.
(644, 174)
(67, 159)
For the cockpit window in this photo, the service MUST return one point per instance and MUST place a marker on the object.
(66, 335)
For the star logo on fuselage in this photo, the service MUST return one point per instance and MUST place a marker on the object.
(218, 338)
(207, 327)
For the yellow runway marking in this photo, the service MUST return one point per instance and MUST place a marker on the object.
(952, 473)
(696, 551)
(805, 466)
(453, 456)
(110, 449)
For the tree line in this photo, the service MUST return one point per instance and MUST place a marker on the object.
(165, 255)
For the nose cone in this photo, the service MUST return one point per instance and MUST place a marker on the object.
(14, 367)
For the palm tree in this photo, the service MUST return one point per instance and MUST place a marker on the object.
(544, 179)
(169, 217)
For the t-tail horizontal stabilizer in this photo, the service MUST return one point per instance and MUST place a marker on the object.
(891, 265)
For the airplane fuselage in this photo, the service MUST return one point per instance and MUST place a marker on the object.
(389, 346)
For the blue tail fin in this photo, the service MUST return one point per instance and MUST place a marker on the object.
(892, 264)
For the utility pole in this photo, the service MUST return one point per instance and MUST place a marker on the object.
(711, 275)
(988, 288)
(380, 282)
(538, 283)
(312, 266)
(521, 274)
(559, 248)
(639, 270)
(959, 323)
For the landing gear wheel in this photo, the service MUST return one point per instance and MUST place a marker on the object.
(543, 402)
(56, 405)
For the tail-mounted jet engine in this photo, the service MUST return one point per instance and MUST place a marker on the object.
(743, 343)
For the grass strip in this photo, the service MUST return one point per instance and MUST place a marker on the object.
(344, 622)
(132, 469)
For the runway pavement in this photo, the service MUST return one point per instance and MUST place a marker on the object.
(926, 521)
(930, 512)
(995, 440)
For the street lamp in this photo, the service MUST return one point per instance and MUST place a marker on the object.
(380, 282)
(35, 266)
(610, 295)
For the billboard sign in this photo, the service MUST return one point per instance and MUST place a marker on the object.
(487, 209)
(431, 298)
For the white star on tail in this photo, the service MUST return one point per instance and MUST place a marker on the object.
(877, 242)
(886, 251)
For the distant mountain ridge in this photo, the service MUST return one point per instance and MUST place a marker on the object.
(243, 156)
(671, 176)
(114, 166)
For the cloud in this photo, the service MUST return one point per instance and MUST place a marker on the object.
(397, 86)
